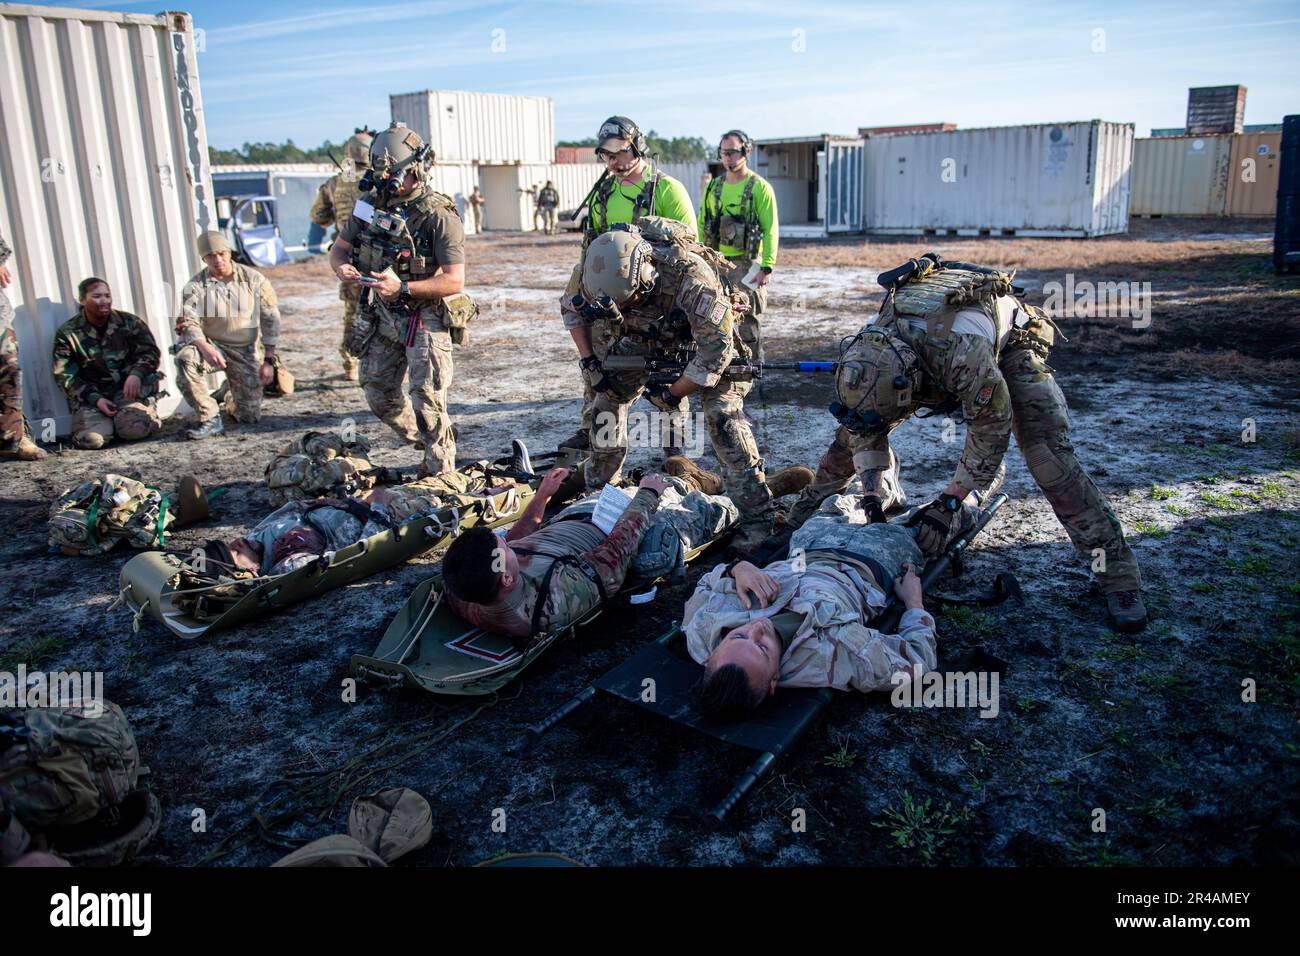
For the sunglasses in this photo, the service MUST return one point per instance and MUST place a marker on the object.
(607, 156)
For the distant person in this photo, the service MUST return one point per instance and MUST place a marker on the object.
(106, 361)
(476, 203)
(738, 217)
(15, 443)
(230, 320)
(533, 191)
(333, 207)
(548, 200)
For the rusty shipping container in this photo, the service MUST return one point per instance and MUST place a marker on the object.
(1256, 167)
(104, 169)
(1215, 109)
(1181, 176)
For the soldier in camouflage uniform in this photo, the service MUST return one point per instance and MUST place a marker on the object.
(230, 319)
(333, 207)
(106, 362)
(655, 299)
(15, 444)
(407, 249)
(631, 188)
(953, 336)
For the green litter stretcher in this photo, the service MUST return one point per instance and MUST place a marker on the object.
(149, 582)
(430, 647)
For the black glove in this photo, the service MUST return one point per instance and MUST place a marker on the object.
(594, 374)
(874, 512)
(661, 396)
(936, 522)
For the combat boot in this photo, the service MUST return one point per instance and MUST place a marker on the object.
(208, 429)
(1126, 611)
(350, 370)
(23, 450)
(750, 536)
(578, 441)
(88, 440)
(678, 466)
(790, 481)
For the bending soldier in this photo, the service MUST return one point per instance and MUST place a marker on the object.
(106, 362)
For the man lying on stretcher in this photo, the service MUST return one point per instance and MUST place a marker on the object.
(802, 622)
(300, 531)
(536, 580)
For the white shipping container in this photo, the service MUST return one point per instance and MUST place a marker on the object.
(480, 127)
(457, 181)
(817, 181)
(1181, 175)
(1052, 179)
(104, 163)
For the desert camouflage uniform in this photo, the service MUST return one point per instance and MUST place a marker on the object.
(1002, 391)
(92, 363)
(333, 207)
(12, 427)
(416, 339)
(241, 317)
(689, 289)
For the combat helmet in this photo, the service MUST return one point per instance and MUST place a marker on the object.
(357, 148)
(876, 382)
(617, 266)
(391, 152)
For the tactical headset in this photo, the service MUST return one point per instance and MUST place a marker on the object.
(620, 127)
(746, 144)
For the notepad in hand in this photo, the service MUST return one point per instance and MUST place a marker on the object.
(610, 507)
(751, 277)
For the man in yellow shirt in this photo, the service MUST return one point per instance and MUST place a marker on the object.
(738, 217)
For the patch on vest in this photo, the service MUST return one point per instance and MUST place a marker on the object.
(985, 394)
(704, 304)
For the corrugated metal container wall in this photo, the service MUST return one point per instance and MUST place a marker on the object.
(457, 181)
(1053, 179)
(104, 161)
(1256, 168)
(1181, 175)
(480, 127)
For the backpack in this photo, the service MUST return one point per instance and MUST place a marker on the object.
(318, 465)
(673, 240)
(62, 766)
(94, 516)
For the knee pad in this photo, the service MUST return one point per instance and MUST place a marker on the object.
(1052, 464)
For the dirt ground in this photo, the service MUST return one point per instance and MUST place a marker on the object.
(1151, 728)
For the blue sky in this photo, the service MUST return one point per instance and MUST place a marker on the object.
(308, 72)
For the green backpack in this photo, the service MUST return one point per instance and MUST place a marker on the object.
(94, 516)
(61, 766)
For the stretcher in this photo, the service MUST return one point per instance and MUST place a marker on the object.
(430, 647)
(151, 583)
(779, 721)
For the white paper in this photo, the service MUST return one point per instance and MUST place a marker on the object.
(363, 210)
(610, 507)
(751, 277)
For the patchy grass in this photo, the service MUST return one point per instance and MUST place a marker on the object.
(1219, 500)
(1161, 494)
(843, 757)
(32, 653)
(969, 621)
(1150, 529)
(921, 827)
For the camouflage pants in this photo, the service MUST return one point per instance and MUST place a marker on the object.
(548, 219)
(243, 366)
(449, 488)
(424, 416)
(478, 217)
(834, 473)
(733, 442)
(350, 294)
(757, 297)
(841, 526)
(12, 428)
(133, 421)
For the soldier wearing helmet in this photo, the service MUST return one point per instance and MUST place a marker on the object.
(648, 289)
(333, 207)
(630, 188)
(949, 336)
(404, 246)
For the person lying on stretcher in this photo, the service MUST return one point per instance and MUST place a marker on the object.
(802, 622)
(537, 579)
(300, 531)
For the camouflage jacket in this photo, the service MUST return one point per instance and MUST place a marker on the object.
(832, 646)
(92, 363)
(231, 312)
(688, 305)
(571, 592)
(334, 201)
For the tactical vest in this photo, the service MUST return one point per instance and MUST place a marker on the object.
(643, 204)
(94, 516)
(740, 232)
(320, 464)
(393, 238)
(344, 194)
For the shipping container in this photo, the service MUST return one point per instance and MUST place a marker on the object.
(104, 170)
(576, 154)
(1051, 179)
(480, 127)
(1181, 176)
(817, 181)
(1215, 109)
(1256, 166)
(902, 130)
(457, 180)
(293, 186)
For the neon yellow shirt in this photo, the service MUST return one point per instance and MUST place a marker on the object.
(672, 201)
(764, 208)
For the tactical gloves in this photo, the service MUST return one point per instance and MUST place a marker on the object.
(662, 397)
(936, 522)
(593, 373)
